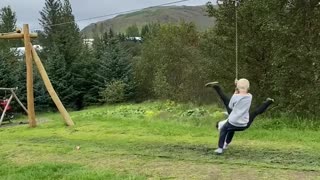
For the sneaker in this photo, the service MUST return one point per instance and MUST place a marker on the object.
(211, 84)
(218, 151)
(270, 99)
(225, 113)
(225, 146)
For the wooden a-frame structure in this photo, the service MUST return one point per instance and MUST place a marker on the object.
(30, 53)
(13, 95)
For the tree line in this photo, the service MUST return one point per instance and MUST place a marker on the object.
(278, 53)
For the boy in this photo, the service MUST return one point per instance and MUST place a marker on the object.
(245, 120)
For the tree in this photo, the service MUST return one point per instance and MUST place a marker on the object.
(115, 68)
(61, 35)
(149, 29)
(255, 47)
(111, 33)
(145, 30)
(277, 65)
(7, 75)
(60, 76)
(50, 17)
(84, 71)
(8, 20)
(297, 67)
(133, 31)
(171, 65)
(7, 24)
(8, 62)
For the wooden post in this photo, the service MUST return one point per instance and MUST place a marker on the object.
(50, 88)
(5, 109)
(30, 96)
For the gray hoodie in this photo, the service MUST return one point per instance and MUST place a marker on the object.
(240, 105)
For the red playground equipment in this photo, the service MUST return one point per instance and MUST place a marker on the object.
(5, 107)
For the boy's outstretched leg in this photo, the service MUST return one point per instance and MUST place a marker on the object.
(225, 99)
(261, 109)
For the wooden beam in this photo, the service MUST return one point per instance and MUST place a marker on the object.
(18, 100)
(50, 88)
(30, 95)
(5, 109)
(16, 35)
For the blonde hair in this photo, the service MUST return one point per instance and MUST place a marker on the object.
(243, 84)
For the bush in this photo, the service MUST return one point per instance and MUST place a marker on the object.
(114, 92)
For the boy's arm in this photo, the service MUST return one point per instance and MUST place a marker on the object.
(231, 102)
(236, 91)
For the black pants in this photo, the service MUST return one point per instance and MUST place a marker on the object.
(228, 130)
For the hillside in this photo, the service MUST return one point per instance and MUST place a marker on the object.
(163, 15)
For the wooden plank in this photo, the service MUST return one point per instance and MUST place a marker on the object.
(18, 100)
(30, 96)
(50, 89)
(16, 35)
(5, 109)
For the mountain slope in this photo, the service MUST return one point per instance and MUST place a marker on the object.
(163, 15)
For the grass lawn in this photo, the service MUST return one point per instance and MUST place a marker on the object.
(158, 141)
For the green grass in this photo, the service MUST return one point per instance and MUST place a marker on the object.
(56, 171)
(162, 140)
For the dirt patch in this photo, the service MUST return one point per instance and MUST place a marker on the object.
(165, 168)
(21, 122)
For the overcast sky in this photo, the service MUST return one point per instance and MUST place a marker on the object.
(27, 11)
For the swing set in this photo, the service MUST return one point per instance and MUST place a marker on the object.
(31, 54)
(5, 107)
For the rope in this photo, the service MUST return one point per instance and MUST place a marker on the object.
(237, 60)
